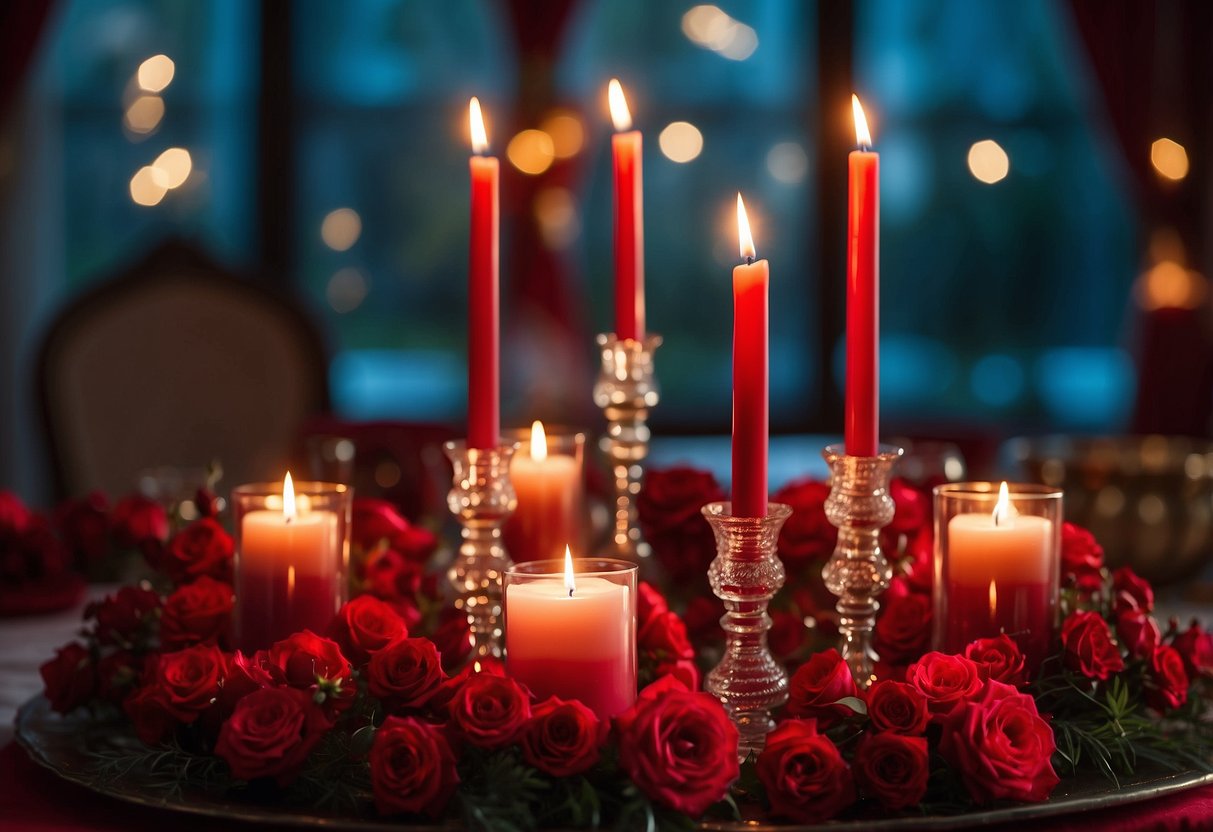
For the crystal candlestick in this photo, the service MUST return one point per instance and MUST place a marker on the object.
(746, 574)
(860, 506)
(481, 498)
(625, 390)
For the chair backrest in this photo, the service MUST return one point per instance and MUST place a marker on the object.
(177, 362)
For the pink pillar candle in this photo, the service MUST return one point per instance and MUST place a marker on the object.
(548, 483)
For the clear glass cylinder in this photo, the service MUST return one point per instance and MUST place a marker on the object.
(997, 571)
(574, 643)
(550, 488)
(291, 566)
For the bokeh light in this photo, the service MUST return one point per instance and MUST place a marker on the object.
(156, 73)
(787, 162)
(556, 213)
(712, 28)
(172, 167)
(1168, 285)
(680, 141)
(531, 151)
(346, 290)
(566, 132)
(144, 114)
(988, 162)
(341, 229)
(145, 189)
(1169, 158)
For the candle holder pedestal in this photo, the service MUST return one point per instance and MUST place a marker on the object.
(860, 506)
(625, 390)
(746, 574)
(481, 498)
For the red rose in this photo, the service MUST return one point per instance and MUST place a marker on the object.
(903, 628)
(664, 638)
(944, 680)
(1087, 646)
(453, 637)
(416, 543)
(405, 674)
(920, 562)
(817, 686)
(126, 618)
(242, 675)
(562, 738)
(702, 620)
(313, 663)
(807, 535)
(787, 634)
(14, 516)
(412, 768)
(489, 711)
(668, 508)
(898, 708)
(999, 659)
(33, 554)
(684, 670)
(893, 768)
(270, 734)
(389, 575)
(364, 626)
(70, 679)
(373, 522)
(176, 689)
(136, 519)
(806, 779)
(1131, 592)
(197, 613)
(1195, 646)
(1166, 680)
(84, 525)
(1081, 559)
(649, 602)
(1000, 746)
(208, 503)
(678, 747)
(201, 548)
(118, 676)
(911, 508)
(1138, 633)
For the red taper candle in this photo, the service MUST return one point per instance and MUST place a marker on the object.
(484, 337)
(629, 218)
(750, 382)
(863, 293)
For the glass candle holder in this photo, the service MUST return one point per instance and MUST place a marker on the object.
(548, 473)
(292, 556)
(574, 639)
(997, 565)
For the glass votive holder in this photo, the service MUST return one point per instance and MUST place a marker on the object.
(292, 555)
(997, 565)
(574, 637)
(548, 475)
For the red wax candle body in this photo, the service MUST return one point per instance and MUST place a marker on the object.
(550, 507)
(272, 609)
(863, 304)
(484, 381)
(629, 236)
(1021, 610)
(750, 393)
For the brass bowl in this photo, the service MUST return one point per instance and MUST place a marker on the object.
(1147, 499)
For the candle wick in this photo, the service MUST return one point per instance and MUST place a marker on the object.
(570, 593)
(749, 260)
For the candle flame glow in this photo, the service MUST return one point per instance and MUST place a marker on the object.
(539, 441)
(480, 138)
(993, 599)
(744, 237)
(862, 136)
(569, 583)
(289, 508)
(619, 106)
(1002, 509)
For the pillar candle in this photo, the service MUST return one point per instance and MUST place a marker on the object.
(750, 376)
(549, 490)
(484, 383)
(289, 572)
(862, 421)
(997, 578)
(626, 147)
(573, 638)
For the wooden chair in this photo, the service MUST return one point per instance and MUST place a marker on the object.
(177, 362)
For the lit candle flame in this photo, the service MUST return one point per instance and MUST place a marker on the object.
(1002, 509)
(619, 106)
(862, 137)
(475, 667)
(539, 441)
(480, 139)
(744, 237)
(288, 498)
(569, 584)
(993, 599)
